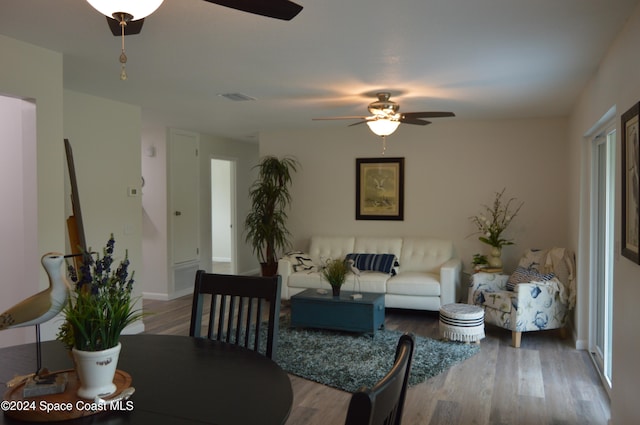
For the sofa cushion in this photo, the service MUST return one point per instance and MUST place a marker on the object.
(414, 283)
(385, 263)
(369, 282)
(378, 245)
(323, 248)
(307, 280)
(424, 254)
(523, 275)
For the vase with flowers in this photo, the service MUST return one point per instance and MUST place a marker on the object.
(493, 222)
(99, 308)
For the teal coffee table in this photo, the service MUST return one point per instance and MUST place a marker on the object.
(312, 309)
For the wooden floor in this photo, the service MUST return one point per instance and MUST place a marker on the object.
(546, 381)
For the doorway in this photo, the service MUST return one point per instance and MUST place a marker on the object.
(223, 213)
(602, 243)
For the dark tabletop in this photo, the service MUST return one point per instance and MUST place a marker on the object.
(178, 380)
(345, 296)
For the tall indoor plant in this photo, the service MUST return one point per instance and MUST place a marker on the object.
(266, 224)
(100, 307)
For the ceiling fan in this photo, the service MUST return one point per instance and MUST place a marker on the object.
(277, 9)
(126, 17)
(385, 118)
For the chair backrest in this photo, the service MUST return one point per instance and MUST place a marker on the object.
(236, 310)
(384, 402)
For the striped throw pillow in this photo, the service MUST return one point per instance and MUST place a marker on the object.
(522, 275)
(385, 263)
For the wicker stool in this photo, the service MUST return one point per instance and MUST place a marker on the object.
(462, 322)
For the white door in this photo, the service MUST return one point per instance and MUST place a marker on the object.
(184, 193)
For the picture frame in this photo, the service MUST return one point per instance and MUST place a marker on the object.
(380, 189)
(630, 193)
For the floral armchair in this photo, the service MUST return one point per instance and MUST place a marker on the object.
(539, 295)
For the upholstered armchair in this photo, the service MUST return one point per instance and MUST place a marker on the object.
(539, 295)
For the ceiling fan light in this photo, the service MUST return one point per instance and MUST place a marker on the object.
(383, 127)
(137, 8)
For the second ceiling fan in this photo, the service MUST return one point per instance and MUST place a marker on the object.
(385, 116)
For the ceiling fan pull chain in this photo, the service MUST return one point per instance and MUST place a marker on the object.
(123, 56)
(384, 144)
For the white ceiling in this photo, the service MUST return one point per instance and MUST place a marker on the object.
(482, 59)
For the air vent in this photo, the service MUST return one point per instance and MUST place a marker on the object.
(237, 97)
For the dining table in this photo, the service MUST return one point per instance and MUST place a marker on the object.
(177, 380)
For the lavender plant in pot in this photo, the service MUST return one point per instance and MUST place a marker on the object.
(99, 308)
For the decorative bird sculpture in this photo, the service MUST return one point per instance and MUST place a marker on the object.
(44, 305)
(356, 277)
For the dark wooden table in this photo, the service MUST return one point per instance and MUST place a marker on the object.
(178, 380)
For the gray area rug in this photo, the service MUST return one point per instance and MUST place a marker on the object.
(348, 361)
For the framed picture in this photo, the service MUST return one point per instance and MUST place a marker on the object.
(630, 183)
(379, 188)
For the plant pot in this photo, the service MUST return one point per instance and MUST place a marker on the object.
(96, 370)
(268, 269)
(335, 290)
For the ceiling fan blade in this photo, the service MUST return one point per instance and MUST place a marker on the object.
(432, 114)
(132, 27)
(357, 123)
(358, 117)
(278, 9)
(416, 121)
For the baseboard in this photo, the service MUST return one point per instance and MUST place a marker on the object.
(221, 259)
(254, 272)
(160, 296)
(582, 344)
(181, 293)
(163, 296)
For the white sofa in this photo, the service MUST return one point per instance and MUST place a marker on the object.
(428, 275)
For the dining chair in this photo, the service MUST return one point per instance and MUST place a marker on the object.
(384, 402)
(237, 310)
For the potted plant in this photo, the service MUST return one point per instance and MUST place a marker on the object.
(335, 272)
(265, 225)
(98, 310)
(479, 262)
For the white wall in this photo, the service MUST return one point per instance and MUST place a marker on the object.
(154, 209)
(19, 216)
(105, 138)
(36, 73)
(452, 168)
(616, 84)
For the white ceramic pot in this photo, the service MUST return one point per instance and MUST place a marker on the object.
(96, 370)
